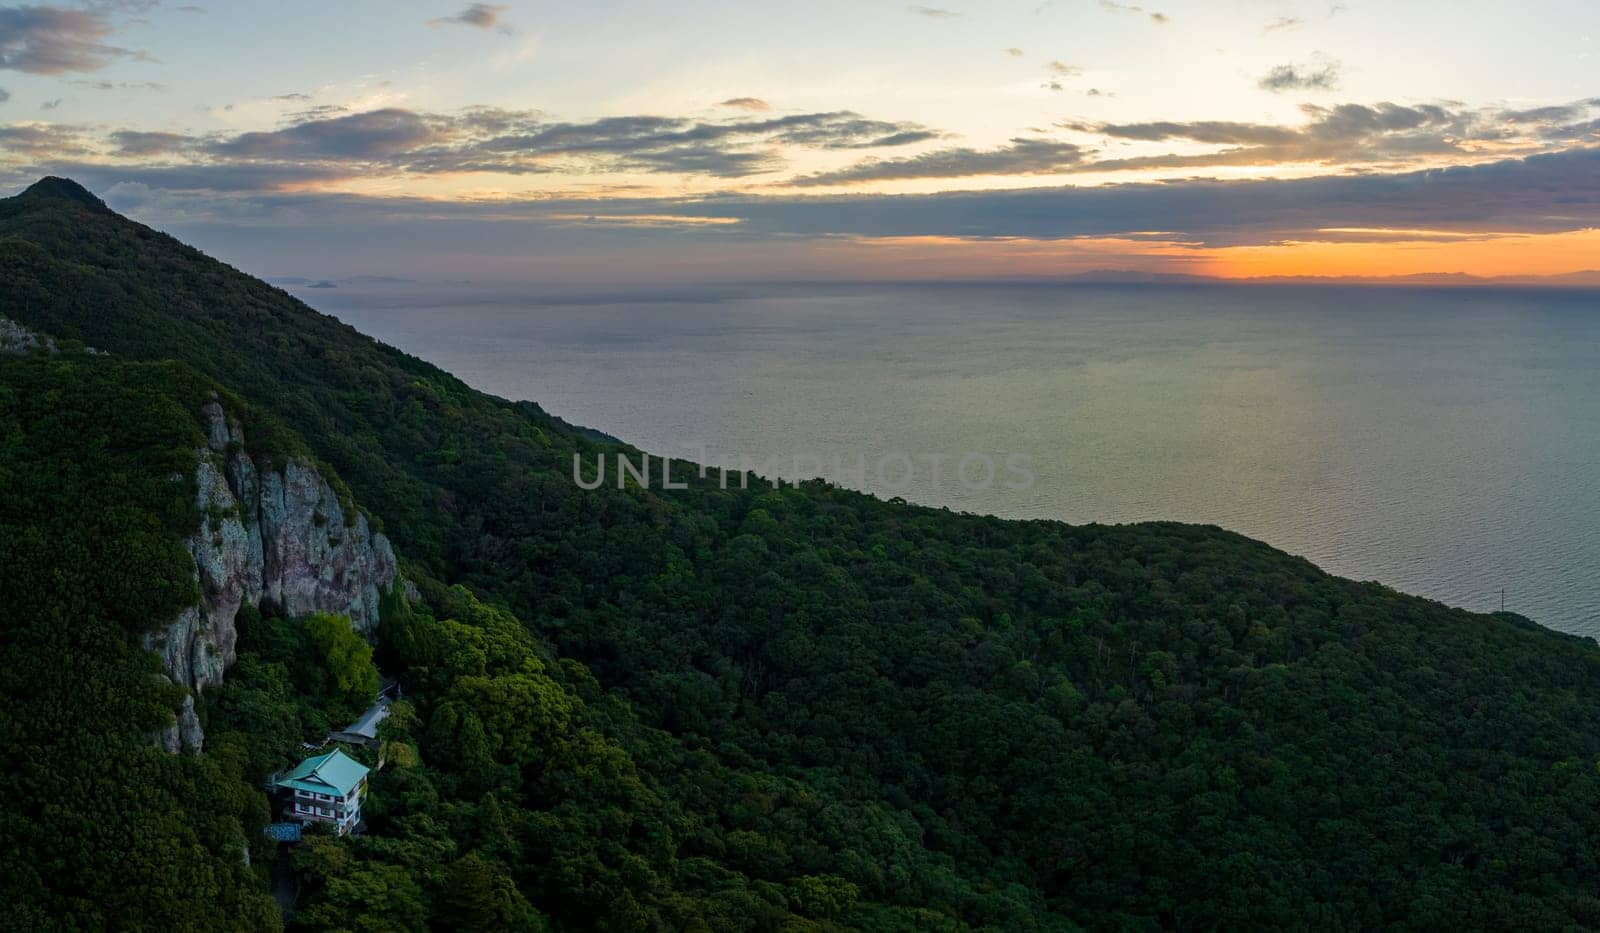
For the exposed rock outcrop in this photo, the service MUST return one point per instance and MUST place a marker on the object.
(316, 558)
(14, 338)
(275, 534)
(185, 733)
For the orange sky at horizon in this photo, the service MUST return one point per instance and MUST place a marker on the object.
(1488, 255)
(1391, 253)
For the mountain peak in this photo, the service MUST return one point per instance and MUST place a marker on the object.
(63, 189)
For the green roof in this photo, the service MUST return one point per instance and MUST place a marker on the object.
(334, 772)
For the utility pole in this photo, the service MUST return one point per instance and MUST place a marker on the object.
(1502, 599)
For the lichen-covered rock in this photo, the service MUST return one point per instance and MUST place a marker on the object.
(276, 534)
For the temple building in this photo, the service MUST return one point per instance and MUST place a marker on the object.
(326, 789)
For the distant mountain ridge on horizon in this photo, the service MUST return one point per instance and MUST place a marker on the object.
(1588, 278)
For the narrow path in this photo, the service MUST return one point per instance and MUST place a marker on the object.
(285, 887)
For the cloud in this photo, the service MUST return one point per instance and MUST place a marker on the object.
(841, 129)
(137, 144)
(50, 104)
(1284, 23)
(1556, 114)
(726, 149)
(1059, 70)
(1301, 78)
(1554, 193)
(5, 95)
(377, 134)
(479, 15)
(1021, 156)
(315, 112)
(1159, 18)
(51, 40)
(933, 12)
(745, 103)
(1548, 193)
(396, 141)
(297, 98)
(1014, 52)
(121, 85)
(42, 140)
(1355, 134)
(1204, 131)
(121, 6)
(1350, 134)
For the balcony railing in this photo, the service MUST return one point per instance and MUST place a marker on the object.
(336, 805)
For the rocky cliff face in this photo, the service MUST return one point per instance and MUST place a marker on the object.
(14, 338)
(275, 534)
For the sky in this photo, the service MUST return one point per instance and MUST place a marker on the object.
(697, 141)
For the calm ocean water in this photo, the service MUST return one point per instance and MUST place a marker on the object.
(1444, 442)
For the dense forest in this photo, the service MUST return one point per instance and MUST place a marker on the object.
(724, 709)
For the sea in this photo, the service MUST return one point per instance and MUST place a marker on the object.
(1444, 442)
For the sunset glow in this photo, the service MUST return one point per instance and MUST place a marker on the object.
(1496, 255)
(832, 140)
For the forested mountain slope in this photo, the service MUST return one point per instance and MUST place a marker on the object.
(746, 708)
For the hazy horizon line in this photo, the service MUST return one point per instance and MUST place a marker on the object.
(1579, 281)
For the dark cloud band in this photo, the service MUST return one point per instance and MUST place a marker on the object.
(53, 40)
(1553, 193)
